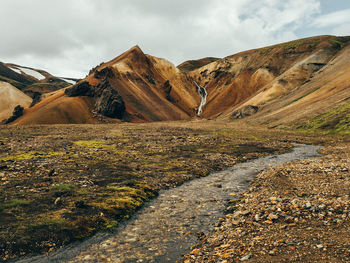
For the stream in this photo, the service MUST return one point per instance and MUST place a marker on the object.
(167, 227)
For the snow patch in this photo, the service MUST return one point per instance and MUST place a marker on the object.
(29, 72)
(16, 70)
(68, 80)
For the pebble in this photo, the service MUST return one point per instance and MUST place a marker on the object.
(246, 257)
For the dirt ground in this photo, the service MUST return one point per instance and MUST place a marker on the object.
(299, 212)
(63, 183)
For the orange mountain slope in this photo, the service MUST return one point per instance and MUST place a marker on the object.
(57, 108)
(236, 78)
(150, 89)
(153, 89)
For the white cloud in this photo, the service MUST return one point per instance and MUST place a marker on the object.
(333, 19)
(342, 30)
(69, 37)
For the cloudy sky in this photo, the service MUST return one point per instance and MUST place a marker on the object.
(68, 37)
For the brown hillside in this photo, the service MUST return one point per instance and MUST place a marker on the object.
(190, 65)
(324, 90)
(234, 79)
(153, 89)
(10, 97)
(57, 108)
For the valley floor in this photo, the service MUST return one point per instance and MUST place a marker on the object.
(63, 183)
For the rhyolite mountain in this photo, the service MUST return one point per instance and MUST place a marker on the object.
(25, 86)
(295, 84)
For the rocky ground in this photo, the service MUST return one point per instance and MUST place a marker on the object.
(64, 183)
(299, 212)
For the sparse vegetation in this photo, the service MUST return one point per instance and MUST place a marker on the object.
(292, 45)
(15, 203)
(194, 64)
(22, 155)
(338, 42)
(63, 187)
(336, 120)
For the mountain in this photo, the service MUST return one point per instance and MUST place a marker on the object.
(284, 85)
(132, 87)
(25, 86)
(195, 64)
(292, 84)
(10, 97)
(30, 80)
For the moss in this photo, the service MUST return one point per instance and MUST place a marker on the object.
(63, 187)
(93, 144)
(30, 155)
(110, 224)
(338, 42)
(336, 120)
(16, 203)
(310, 42)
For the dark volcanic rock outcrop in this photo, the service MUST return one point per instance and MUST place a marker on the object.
(106, 72)
(167, 89)
(79, 89)
(17, 112)
(36, 98)
(108, 102)
(246, 111)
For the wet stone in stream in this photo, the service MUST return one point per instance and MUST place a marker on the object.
(168, 226)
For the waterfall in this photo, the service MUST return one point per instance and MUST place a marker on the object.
(203, 93)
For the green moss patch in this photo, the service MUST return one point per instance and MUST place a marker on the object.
(22, 155)
(16, 203)
(336, 120)
(92, 144)
(63, 187)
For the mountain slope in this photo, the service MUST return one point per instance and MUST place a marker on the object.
(57, 108)
(191, 65)
(153, 89)
(288, 84)
(10, 97)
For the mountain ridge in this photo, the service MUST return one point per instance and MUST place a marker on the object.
(153, 89)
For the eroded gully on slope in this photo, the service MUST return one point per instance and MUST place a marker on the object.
(168, 226)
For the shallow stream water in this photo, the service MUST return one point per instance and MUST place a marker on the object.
(168, 226)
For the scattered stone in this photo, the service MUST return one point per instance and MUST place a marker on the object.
(58, 201)
(52, 172)
(246, 257)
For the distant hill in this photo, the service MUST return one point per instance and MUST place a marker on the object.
(10, 97)
(194, 64)
(30, 80)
